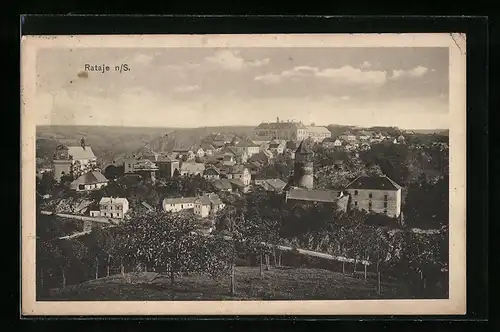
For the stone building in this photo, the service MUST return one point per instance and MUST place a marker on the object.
(377, 194)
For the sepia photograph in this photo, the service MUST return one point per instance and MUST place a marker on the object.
(243, 174)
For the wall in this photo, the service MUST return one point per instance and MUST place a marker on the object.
(178, 207)
(60, 167)
(202, 210)
(303, 175)
(363, 201)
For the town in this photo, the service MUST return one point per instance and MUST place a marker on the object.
(363, 198)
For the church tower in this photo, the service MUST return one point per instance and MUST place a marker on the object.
(62, 162)
(303, 174)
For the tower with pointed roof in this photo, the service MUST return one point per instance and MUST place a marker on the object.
(303, 173)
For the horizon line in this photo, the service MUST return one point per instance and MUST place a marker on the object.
(230, 125)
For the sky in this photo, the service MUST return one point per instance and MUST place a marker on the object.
(196, 87)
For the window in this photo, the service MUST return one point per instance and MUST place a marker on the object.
(385, 211)
(385, 197)
(81, 187)
(355, 203)
(370, 206)
(385, 204)
(355, 193)
(370, 195)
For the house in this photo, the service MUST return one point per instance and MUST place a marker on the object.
(198, 151)
(209, 149)
(238, 185)
(276, 185)
(277, 146)
(244, 147)
(348, 137)
(89, 181)
(314, 195)
(240, 172)
(207, 204)
(211, 172)
(318, 133)
(377, 194)
(178, 204)
(192, 168)
(180, 153)
(74, 160)
(112, 207)
(328, 143)
(228, 159)
(287, 130)
(168, 167)
(222, 185)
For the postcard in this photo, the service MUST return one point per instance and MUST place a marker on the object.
(301, 174)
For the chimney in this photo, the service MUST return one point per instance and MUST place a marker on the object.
(278, 120)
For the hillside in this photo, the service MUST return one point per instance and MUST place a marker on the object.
(279, 283)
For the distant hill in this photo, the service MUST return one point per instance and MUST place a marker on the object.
(113, 143)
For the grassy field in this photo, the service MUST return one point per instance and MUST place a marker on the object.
(282, 283)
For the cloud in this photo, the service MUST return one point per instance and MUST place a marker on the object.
(354, 76)
(366, 64)
(230, 59)
(345, 98)
(143, 59)
(268, 78)
(414, 72)
(187, 88)
(345, 75)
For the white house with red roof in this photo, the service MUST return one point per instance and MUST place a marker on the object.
(377, 194)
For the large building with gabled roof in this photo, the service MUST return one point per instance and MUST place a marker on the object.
(286, 130)
(377, 194)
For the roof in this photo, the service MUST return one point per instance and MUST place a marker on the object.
(207, 147)
(208, 199)
(222, 184)
(213, 169)
(313, 195)
(318, 130)
(276, 183)
(275, 143)
(303, 148)
(90, 178)
(238, 169)
(373, 182)
(192, 167)
(258, 138)
(179, 200)
(181, 149)
(79, 153)
(245, 144)
(237, 183)
(329, 139)
(281, 125)
(113, 200)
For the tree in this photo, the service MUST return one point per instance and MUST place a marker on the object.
(169, 242)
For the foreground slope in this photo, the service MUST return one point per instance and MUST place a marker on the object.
(282, 283)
